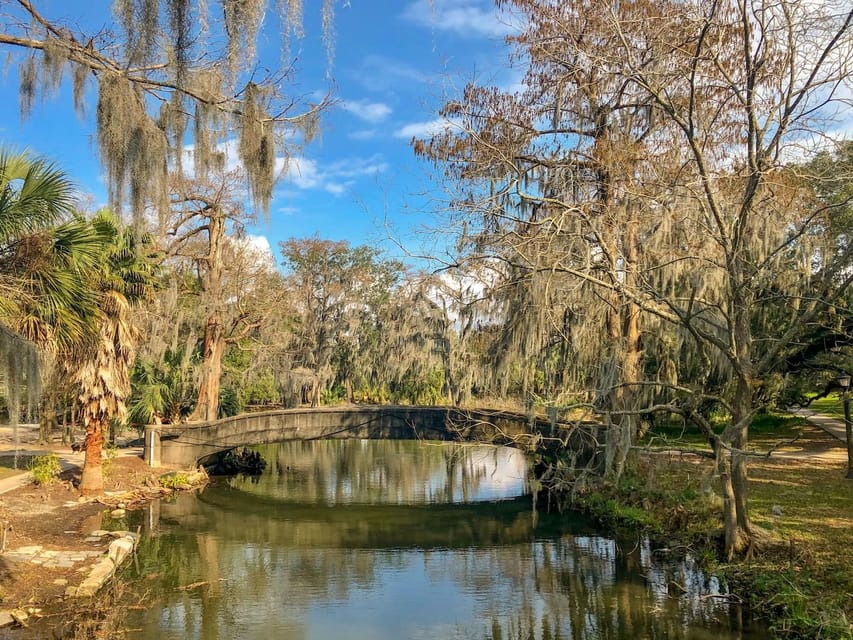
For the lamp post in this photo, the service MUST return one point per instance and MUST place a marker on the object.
(844, 383)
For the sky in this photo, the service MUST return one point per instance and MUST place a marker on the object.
(395, 63)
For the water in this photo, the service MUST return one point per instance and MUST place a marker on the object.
(403, 540)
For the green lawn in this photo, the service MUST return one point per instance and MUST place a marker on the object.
(830, 405)
(766, 429)
(8, 468)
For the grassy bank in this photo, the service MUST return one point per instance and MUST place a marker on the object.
(799, 576)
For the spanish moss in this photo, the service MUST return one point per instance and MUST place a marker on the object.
(28, 75)
(257, 148)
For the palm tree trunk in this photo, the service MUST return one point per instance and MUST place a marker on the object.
(92, 479)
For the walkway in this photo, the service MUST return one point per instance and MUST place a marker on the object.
(28, 446)
(833, 426)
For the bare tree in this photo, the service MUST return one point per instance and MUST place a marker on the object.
(204, 231)
(650, 159)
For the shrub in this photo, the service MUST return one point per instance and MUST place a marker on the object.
(174, 480)
(45, 469)
(108, 456)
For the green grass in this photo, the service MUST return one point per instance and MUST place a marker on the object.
(766, 429)
(798, 576)
(7, 467)
(806, 582)
(830, 405)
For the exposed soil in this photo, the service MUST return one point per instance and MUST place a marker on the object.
(51, 516)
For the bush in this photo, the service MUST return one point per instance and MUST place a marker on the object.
(229, 402)
(45, 469)
(108, 456)
(174, 480)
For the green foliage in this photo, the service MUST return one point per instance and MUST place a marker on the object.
(797, 601)
(174, 480)
(650, 498)
(333, 395)
(48, 254)
(426, 389)
(109, 453)
(262, 390)
(161, 390)
(45, 469)
(230, 403)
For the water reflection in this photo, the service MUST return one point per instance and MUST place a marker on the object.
(279, 559)
(388, 472)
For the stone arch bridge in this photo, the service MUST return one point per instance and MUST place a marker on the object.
(190, 444)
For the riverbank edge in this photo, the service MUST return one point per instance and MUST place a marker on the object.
(121, 547)
(781, 587)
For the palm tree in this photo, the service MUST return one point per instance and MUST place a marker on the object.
(45, 299)
(125, 277)
(162, 390)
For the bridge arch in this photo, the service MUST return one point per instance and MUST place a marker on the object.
(187, 444)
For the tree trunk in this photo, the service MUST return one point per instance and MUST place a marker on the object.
(47, 417)
(623, 328)
(742, 411)
(736, 539)
(92, 478)
(737, 434)
(207, 405)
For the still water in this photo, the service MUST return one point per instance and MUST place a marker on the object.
(403, 541)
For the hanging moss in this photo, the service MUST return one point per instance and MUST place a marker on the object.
(257, 148)
(54, 58)
(28, 76)
(20, 367)
(242, 20)
(140, 20)
(173, 121)
(207, 121)
(180, 26)
(328, 19)
(290, 16)
(133, 148)
(81, 74)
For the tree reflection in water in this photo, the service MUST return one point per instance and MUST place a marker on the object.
(385, 540)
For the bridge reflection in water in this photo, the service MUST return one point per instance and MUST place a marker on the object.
(382, 540)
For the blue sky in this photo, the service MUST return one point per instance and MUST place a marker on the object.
(395, 63)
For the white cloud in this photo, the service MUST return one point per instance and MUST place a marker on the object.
(467, 18)
(299, 171)
(365, 134)
(259, 243)
(425, 129)
(259, 246)
(335, 178)
(361, 167)
(306, 173)
(378, 73)
(368, 111)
